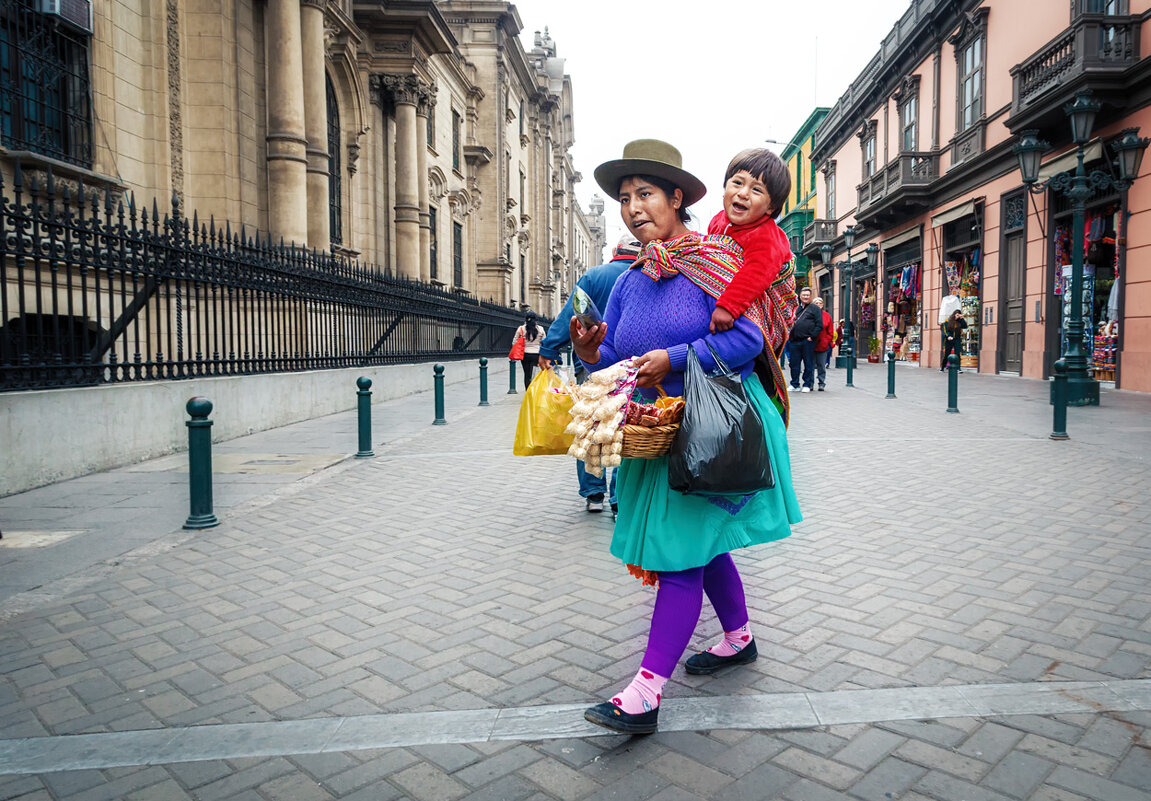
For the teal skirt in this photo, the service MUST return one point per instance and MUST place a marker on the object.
(661, 529)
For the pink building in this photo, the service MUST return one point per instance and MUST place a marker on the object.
(917, 155)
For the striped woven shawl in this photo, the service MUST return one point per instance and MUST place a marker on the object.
(709, 262)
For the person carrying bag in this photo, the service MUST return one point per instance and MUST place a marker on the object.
(721, 448)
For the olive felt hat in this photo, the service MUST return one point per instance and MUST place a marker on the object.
(650, 157)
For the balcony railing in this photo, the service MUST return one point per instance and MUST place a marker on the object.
(818, 232)
(1094, 43)
(904, 171)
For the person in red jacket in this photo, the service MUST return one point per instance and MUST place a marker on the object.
(754, 188)
(823, 345)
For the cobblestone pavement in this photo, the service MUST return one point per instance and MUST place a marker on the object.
(938, 551)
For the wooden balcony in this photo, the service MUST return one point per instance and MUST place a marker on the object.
(899, 190)
(817, 233)
(1095, 52)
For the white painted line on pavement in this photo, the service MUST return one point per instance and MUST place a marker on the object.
(561, 721)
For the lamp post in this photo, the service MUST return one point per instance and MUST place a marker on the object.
(1082, 390)
(847, 269)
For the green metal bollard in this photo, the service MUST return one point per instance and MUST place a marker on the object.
(953, 384)
(512, 377)
(439, 371)
(364, 410)
(200, 465)
(484, 382)
(890, 374)
(1059, 400)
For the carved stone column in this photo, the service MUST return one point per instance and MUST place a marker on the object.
(287, 144)
(315, 121)
(423, 108)
(405, 92)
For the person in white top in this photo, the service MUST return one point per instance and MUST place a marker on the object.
(533, 335)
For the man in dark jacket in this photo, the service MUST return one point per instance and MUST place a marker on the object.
(808, 324)
(597, 282)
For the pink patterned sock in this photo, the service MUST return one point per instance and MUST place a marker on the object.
(643, 694)
(733, 642)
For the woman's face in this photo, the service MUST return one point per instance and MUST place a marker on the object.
(648, 212)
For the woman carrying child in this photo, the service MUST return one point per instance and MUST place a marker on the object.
(658, 309)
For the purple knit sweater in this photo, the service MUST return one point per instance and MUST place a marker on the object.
(644, 315)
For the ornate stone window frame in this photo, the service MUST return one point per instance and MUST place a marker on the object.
(970, 130)
(869, 135)
(906, 98)
(829, 188)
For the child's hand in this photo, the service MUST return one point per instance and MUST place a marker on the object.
(721, 320)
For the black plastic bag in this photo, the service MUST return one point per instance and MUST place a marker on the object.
(720, 448)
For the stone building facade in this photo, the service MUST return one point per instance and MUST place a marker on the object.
(419, 136)
(918, 155)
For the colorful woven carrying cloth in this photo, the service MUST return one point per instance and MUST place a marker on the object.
(709, 262)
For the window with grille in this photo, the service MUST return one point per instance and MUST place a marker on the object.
(457, 255)
(829, 182)
(335, 207)
(44, 85)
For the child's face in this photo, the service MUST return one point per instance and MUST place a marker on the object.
(745, 198)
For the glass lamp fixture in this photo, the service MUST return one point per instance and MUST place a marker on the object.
(1029, 150)
(1082, 111)
(1129, 153)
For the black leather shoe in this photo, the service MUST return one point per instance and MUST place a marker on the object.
(704, 663)
(612, 717)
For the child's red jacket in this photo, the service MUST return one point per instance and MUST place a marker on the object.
(765, 251)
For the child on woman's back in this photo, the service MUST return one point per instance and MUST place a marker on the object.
(755, 186)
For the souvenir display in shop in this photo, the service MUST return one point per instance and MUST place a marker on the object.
(1103, 354)
(963, 273)
(901, 322)
(1100, 300)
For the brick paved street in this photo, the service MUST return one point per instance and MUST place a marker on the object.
(938, 552)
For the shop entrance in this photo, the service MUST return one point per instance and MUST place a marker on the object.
(901, 296)
(962, 274)
(1101, 286)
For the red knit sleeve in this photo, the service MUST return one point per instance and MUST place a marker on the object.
(762, 261)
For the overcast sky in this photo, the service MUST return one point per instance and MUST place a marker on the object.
(715, 79)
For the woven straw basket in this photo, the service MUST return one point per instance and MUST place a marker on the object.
(643, 442)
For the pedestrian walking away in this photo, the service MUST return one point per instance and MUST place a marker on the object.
(597, 283)
(823, 345)
(533, 334)
(806, 330)
(659, 309)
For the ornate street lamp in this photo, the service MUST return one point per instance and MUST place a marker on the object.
(848, 269)
(1082, 390)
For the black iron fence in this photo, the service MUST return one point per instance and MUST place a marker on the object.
(98, 291)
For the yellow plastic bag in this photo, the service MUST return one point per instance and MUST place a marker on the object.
(544, 415)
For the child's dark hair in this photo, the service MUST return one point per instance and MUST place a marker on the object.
(765, 166)
(668, 189)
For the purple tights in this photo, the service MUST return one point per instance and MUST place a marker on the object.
(677, 606)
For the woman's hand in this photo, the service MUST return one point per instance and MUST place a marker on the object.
(653, 367)
(586, 342)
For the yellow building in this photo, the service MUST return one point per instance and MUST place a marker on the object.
(799, 210)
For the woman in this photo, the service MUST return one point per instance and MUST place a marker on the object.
(656, 311)
(952, 332)
(533, 335)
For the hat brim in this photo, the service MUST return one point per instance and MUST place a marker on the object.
(609, 175)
